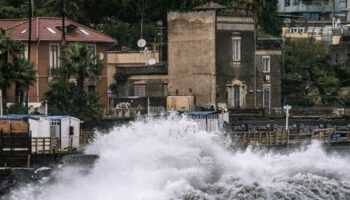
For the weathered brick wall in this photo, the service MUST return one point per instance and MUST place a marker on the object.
(191, 55)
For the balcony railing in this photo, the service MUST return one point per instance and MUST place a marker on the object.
(147, 70)
(311, 8)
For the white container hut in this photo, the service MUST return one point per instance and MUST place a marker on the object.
(65, 128)
(210, 121)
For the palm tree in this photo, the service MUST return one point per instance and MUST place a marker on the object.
(81, 63)
(65, 97)
(9, 49)
(8, 46)
(23, 76)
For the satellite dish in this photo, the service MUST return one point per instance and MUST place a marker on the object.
(151, 61)
(141, 43)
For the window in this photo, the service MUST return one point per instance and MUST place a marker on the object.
(140, 90)
(236, 94)
(51, 30)
(286, 3)
(54, 56)
(267, 96)
(315, 17)
(55, 128)
(342, 3)
(236, 49)
(165, 87)
(295, 2)
(91, 88)
(266, 64)
(92, 48)
(25, 52)
(84, 32)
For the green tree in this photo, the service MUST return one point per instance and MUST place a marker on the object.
(13, 9)
(23, 77)
(54, 8)
(81, 63)
(69, 98)
(266, 12)
(65, 98)
(9, 50)
(308, 71)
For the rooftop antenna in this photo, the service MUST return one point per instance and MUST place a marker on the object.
(142, 13)
(141, 43)
(333, 14)
(30, 16)
(63, 21)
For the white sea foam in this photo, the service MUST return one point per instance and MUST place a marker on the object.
(160, 159)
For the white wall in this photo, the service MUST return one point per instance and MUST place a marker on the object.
(65, 133)
(39, 128)
(76, 124)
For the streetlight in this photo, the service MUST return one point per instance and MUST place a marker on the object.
(287, 108)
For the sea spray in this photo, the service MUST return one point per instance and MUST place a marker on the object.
(170, 158)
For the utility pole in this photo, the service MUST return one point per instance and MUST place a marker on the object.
(30, 16)
(63, 42)
(142, 13)
(333, 14)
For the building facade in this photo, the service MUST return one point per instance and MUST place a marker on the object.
(315, 10)
(269, 62)
(46, 51)
(138, 82)
(212, 58)
(322, 20)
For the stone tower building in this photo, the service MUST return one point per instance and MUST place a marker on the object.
(212, 58)
(191, 55)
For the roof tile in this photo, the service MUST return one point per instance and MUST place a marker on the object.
(47, 29)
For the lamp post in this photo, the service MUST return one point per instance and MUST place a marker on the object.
(287, 108)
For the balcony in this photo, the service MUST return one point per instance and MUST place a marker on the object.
(130, 107)
(123, 72)
(321, 7)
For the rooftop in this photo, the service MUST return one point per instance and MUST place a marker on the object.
(50, 29)
(223, 10)
(209, 6)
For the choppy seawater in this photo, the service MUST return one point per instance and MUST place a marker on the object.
(161, 159)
